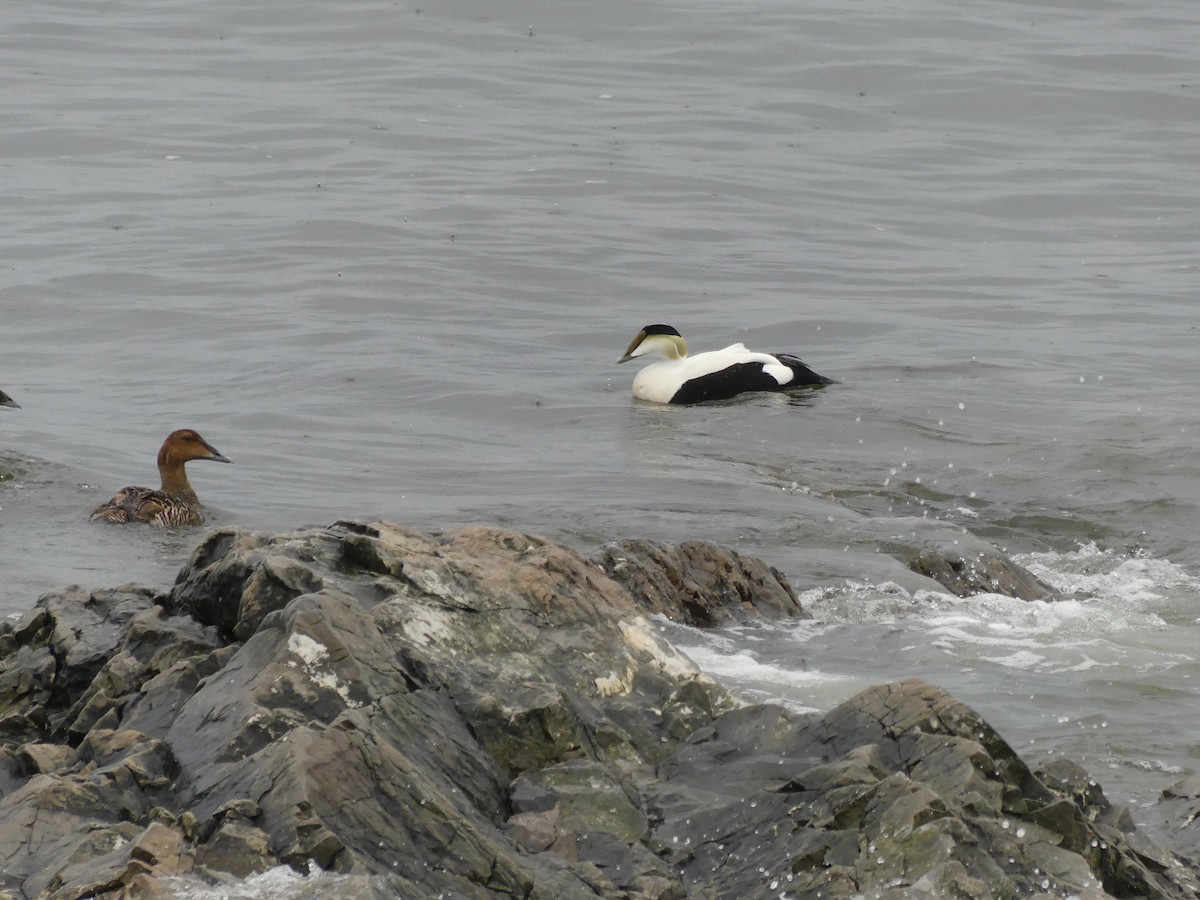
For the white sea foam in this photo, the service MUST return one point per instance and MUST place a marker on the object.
(744, 666)
(1116, 611)
(1126, 603)
(1118, 580)
(796, 687)
(280, 883)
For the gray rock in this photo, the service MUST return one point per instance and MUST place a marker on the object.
(236, 847)
(975, 567)
(588, 797)
(35, 758)
(234, 580)
(135, 865)
(959, 561)
(1177, 819)
(487, 714)
(699, 583)
(912, 795)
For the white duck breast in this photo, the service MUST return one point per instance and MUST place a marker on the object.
(715, 375)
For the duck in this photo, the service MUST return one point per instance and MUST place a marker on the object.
(175, 502)
(713, 375)
(8, 401)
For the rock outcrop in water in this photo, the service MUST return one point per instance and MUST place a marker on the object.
(486, 714)
(961, 562)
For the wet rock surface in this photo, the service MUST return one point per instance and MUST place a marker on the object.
(1176, 819)
(485, 714)
(961, 562)
(699, 583)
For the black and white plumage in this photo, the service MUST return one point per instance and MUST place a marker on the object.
(715, 375)
(8, 401)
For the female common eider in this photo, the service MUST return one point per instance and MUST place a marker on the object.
(175, 503)
(8, 401)
(715, 375)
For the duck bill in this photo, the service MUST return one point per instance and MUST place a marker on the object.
(217, 455)
(633, 345)
(8, 401)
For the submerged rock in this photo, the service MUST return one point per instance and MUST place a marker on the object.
(487, 714)
(977, 569)
(962, 563)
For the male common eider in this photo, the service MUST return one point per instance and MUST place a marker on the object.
(8, 401)
(175, 503)
(715, 375)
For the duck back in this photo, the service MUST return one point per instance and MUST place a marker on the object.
(728, 382)
(148, 506)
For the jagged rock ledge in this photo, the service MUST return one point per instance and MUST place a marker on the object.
(486, 714)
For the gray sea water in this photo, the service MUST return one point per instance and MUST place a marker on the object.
(383, 256)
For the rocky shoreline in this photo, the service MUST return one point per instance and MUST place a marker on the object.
(483, 714)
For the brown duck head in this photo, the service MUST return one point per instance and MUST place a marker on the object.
(180, 447)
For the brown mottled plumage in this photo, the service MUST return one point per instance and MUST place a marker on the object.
(8, 401)
(175, 503)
